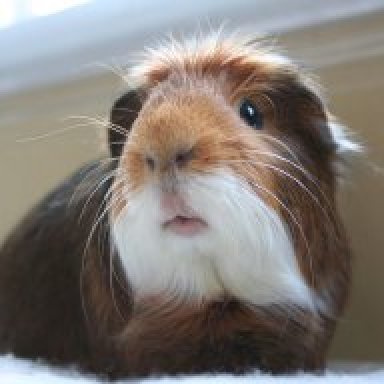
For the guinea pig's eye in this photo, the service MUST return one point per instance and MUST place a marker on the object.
(251, 114)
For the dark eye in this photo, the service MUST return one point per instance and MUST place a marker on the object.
(251, 114)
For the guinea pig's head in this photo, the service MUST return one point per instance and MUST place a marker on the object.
(225, 184)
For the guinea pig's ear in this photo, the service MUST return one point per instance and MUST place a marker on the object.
(123, 114)
(310, 120)
(329, 129)
(308, 115)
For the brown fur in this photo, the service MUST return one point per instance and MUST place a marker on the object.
(66, 306)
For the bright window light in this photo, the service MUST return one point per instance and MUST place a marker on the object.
(14, 11)
(7, 13)
(44, 7)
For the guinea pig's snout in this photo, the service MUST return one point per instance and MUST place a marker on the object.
(176, 159)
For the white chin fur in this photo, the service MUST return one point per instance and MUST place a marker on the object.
(245, 252)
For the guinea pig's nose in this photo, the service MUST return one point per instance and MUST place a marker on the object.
(151, 162)
(182, 158)
(178, 159)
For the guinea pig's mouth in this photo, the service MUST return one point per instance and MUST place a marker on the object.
(185, 225)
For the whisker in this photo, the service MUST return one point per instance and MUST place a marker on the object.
(47, 135)
(82, 186)
(99, 216)
(306, 173)
(125, 109)
(291, 177)
(281, 144)
(89, 122)
(105, 123)
(112, 276)
(295, 221)
(118, 71)
(97, 188)
(97, 221)
(267, 136)
(291, 215)
(285, 160)
(82, 275)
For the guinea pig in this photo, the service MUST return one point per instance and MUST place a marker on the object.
(207, 241)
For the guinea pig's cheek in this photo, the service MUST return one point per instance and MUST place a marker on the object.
(261, 180)
(131, 168)
(245, 249)
(253, 254)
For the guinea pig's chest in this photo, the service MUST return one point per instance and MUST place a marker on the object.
(225, 333)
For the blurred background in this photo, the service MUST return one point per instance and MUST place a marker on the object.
(60, 59)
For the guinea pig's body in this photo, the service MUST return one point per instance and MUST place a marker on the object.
(208, 242)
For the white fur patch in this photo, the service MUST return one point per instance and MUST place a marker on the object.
(343, 142)
(246, 250)
(346, 148)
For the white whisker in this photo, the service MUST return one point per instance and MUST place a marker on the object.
(109, 176)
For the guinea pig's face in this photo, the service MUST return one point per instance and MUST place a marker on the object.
(225, 182)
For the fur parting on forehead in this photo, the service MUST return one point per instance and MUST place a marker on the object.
(215, 49)
(245, 252)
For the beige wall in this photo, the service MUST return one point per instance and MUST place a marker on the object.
(361, 335)
(356, 93)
